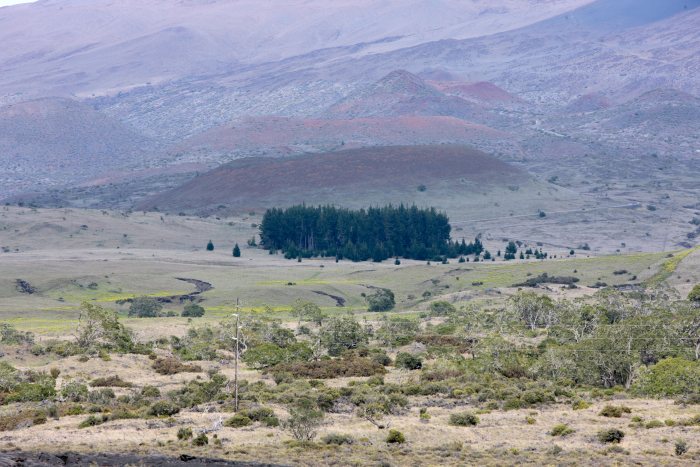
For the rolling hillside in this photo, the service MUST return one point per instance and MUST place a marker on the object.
(53, 141)
(351, 177)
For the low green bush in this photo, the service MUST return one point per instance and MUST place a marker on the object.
(614, 411)
(150, 391)
(408, 361)
(110, 382)
(163, 408)
(561, 430)
(200, 440)
(332, 368)
(611, 435)
(669, 377)
(395, 437)
(93, 420)
(337, 439)
(238, 421)
(172, 366)
(464, 419)
(184, 433)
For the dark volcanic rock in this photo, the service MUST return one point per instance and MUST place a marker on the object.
(29, 459)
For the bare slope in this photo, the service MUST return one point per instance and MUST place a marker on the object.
(55, 141)
(357, 176)
(98, 46)
(281, 136)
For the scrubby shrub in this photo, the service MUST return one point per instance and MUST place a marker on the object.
(614, 411)
(464, 419)
(193, 311)
(442, 308)
(561, 430)
(11, 336)
(337, 439)
(171, 366)
(93, 420)
(612, 435)
(101, 396)
(379, 356)
(110, 382)
(669, 377)
(238, 421)
(381, 300)
(694, 295)
(654, 424)
(680, 447)
(74, 391)
(304, 420)
(580, 404)
(408, 361)
(395, 437)
(150, 391)
(334, 368)
(163, 408)
(145, 307)
(200, 440)
(264, 415)
(184, 434)
(396, 331)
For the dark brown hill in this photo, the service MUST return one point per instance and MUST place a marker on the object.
(352, 177)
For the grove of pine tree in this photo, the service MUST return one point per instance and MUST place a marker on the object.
(376, 233)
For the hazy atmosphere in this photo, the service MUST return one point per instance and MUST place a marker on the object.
(358, 232)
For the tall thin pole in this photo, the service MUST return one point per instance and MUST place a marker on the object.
(235, 372)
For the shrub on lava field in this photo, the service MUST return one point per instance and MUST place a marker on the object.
(110, 382)
(184, 434)
(335, 368)
(200, 440)
(238, 421)
(408, 362)
(163, 408)
(612, 435)
(150, 391)
(171, 366)
(395, 437)
(614, 411)
(561, 430)
(464, 419)
(337, 439)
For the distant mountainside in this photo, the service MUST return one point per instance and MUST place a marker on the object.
(403, 93)
(355, 177)
(55, 141)
(283, 136)
(157, 91)
(102, 46)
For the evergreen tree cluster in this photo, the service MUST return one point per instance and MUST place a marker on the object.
(376, 233)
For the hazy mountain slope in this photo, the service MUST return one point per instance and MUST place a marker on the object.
(54, 141)
(281, 136)
(554, 60)
(356, 177)
(94, 46)
(545, 64)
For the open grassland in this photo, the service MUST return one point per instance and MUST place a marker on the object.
(65, 279)
(518, 402)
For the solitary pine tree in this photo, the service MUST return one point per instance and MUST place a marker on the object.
(210, 246)
(236, 251)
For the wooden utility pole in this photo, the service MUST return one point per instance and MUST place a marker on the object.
(235, 368)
